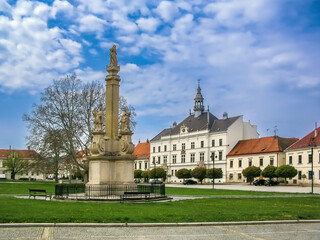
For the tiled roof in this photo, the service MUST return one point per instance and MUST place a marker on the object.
(261, 145)
(142, 150)
(306, 140)
(83, 153)
(197, 124)
(22, 153)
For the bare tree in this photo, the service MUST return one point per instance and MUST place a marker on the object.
(14, 164)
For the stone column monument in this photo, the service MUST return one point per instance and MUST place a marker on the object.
(111, 160)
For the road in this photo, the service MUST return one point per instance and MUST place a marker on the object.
(247, 187)
(253, 232)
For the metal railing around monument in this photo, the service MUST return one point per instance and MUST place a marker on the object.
(106, 192)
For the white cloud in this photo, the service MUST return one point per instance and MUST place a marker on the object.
(89, 75)
(91, 23)
(167, 10)
(148, 24)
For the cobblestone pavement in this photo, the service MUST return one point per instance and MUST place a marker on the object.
(267, 231)
(247, 187)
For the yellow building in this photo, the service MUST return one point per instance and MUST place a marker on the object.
(300, 154)
(258, 152)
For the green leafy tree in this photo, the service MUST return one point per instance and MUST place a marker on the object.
(269, 172)
(158, 173)
(199, 173)
(251, 172)
(183, 173)
(15, 164)
(145, 175)
(286, 171)
(216, 172)
(138, 173)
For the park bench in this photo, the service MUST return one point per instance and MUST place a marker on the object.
(136, 195)
(39, 192)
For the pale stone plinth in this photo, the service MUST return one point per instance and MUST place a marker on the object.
(111, 170)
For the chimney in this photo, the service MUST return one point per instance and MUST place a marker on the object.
(29, 148)
(174, 124)
(147, 140)
(225, 115)
(315, 130)
(10, 147)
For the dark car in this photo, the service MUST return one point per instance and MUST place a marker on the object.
(271, 183)
(155, 181)
(189, 181)
(259, 182)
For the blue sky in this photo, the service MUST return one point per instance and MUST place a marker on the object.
(256, 58)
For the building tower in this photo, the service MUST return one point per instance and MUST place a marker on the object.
(198, 102)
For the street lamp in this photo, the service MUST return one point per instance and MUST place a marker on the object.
(312, 145)
(212, 158)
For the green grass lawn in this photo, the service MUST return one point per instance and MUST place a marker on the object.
(23, 187)
(199, 210)
(208, 192)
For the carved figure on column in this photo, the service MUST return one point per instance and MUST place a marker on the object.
(98, 119)
(113, 56)
(125, 121)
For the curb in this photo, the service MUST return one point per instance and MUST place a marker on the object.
(20, 225)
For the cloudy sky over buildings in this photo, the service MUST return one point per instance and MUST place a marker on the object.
(257, 58)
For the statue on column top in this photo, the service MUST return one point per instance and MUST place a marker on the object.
(113, 56)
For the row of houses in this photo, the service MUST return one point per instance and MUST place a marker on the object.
(229, 143)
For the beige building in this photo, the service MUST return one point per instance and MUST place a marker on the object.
(142, 153)
(29, 155)
(259, 152)
(299, 156)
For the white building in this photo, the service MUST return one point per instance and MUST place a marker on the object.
(190, 143)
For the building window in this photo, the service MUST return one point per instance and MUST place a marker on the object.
(192, 145)
(159, 158)
(290, 159)
(202, 144)
(174, 158)
(309, 158)
(159, 149)
(172, 173)
(165, 159)
(271, 161)
(310, 175)
(183, 158)
(165, 148)
(220, 155)
(145, 165)
(261, 162)
(240, 163)
(154, 160)
(250, 162)
(213, 143)
(231, 164)
(135, 165)
(220, 142)
(183, 146)
(299, 175)
(154, 149)
(239, 176)
(300, 159)
(174, 147)
(140, 165)
(192, 157)
(231, 176)
(201, 156)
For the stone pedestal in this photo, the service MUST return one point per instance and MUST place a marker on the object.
(111, 170)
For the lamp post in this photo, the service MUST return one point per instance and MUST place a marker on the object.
(212, 158)
(312, 145)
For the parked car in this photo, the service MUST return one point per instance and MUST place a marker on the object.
(189, 181)
(155, 181)
(271, 183)
(259, 182)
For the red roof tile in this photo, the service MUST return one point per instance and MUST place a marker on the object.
(261, 145)
(142, 150)
(22, 153)
(306, 140)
